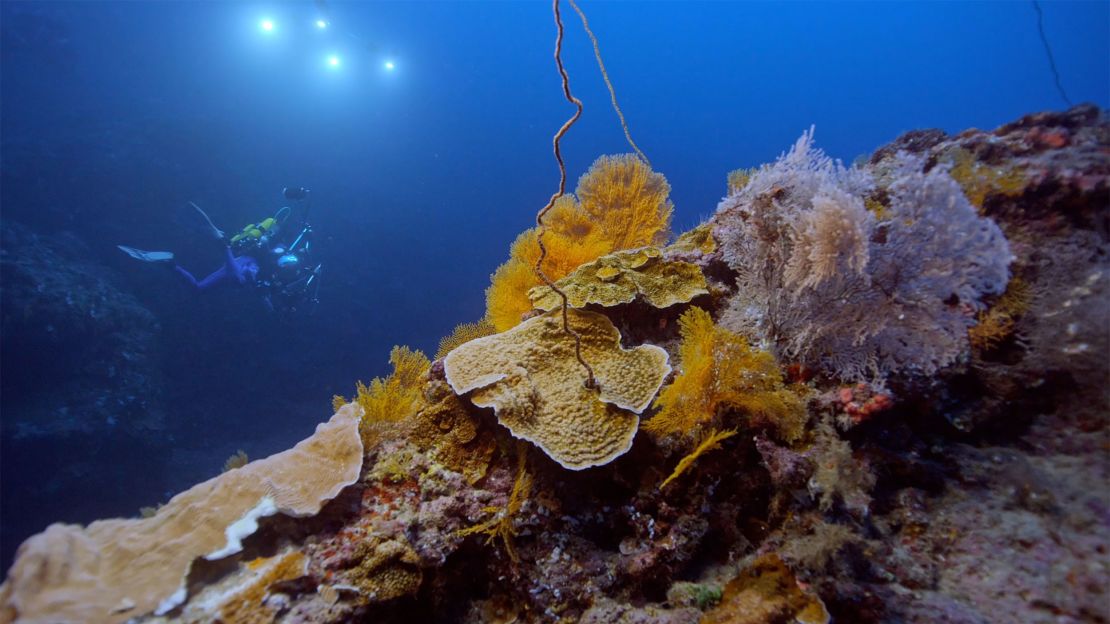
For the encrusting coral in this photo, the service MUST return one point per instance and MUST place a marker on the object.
(116, 570)
(720, 371)
(387, 569)
(623, 276)
(622, 205)
(698, 241)
(532, 379)
(766, 591)
(243, 598)
(979, 180)
(452, 435)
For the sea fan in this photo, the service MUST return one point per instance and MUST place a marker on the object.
(621, 204)
(822, 280)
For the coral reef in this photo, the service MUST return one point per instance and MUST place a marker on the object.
(531, 377)
(463, 333)
(821, 280)
(451, 434)
(962, 478)
(72, 313)
(621, 204)
(501, 522)
(627, 200)
(721, 371)
(396, 397)
(623, 277)
(114, 570)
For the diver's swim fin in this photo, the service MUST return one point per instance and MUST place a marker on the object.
(216, 232)
(147, 256)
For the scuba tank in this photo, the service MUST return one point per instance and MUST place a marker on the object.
(253, 232)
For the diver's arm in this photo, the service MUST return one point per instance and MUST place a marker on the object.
(214, 278)
(232, 267)
(229, 269)
(192, 281)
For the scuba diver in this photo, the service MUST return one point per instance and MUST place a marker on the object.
(257, 256)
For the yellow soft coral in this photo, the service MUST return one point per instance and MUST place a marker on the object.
(507, 297)
(710, 442)
(571, 237)
(238, 460)
(463, 333)
(337, 402)
(739, 178)
(627, 200)
(399, 396)
(623, 204)
(720, 370)
(997, 324)
(500, 524)
(980, 180)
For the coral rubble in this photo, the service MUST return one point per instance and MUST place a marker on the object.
(889, 404)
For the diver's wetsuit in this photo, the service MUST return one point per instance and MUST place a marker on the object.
(241, 269)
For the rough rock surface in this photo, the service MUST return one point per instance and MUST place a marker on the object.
(71, 313)
(80, 381)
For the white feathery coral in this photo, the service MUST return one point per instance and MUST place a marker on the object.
(821, 280)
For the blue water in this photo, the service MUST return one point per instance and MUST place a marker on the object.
(115, 115)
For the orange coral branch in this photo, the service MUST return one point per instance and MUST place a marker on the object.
(501, 523)
(711, 442)
(591, 381)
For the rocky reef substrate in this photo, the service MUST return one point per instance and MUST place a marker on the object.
(952, 469)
